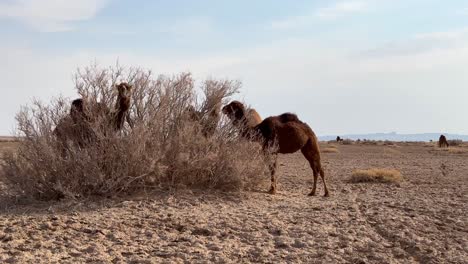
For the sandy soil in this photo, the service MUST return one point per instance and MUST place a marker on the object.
(422, 220)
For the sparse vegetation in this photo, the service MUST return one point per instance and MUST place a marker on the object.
(391, 150)
(347, 142)
(455, 142)
(162, 148)
(369, 142)
(457, 150)
(331, 149)
(376, 176)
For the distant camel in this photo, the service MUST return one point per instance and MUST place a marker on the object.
(244, 120)
(287, 134)
(443, 142)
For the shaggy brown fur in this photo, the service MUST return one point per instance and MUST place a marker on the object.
(207, 118)
(244, 119)
(208, 121)
(443, 142)
(287, 134)
(122, 105)
(75, 127)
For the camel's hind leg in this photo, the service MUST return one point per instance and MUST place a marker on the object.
(313, 157)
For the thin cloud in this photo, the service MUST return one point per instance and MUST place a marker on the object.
(51, 15)
(335, 11)
(421, 43)
(341, 9)
(444, 35)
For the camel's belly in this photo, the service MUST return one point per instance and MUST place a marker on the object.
(290, 143)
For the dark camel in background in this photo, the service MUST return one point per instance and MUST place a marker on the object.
(443, 142)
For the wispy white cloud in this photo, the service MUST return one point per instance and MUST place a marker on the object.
(51, 15)
(421, 43)
(444, 35)
(331, 12)
(341, 9)
(189, 25)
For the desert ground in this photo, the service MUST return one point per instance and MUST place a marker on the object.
(423, 219)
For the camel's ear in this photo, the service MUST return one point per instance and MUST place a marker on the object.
(129, 87)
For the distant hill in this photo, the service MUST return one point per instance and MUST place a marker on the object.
(396, 137)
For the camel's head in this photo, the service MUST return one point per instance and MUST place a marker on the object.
(234, 111)
(124, 89)
(77, 110)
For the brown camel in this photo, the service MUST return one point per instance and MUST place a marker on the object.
(245, 120)
(75, 126)
(443, 142)
(78, 125)
(287, 134)
(122, 106)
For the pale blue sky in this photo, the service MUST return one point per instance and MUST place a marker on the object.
(349, 66)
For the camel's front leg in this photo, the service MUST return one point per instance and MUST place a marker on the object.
(272, 166)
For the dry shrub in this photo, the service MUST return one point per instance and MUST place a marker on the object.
(455, 142)
(376, 176)
(369, 142)
(388, 143)
(450, 150)
(331, 149)
(457, 150)
(347, 142)
(163, 148)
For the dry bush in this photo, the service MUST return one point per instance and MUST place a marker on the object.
(347, 142)
(450, 150)
(457, 150)
(369, 142)
(163, 148)
(376, 175)
(389, 143)
(455, 142)
(331, 149)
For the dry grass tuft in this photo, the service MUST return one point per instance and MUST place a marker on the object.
(457, 150)
(391, 150)
(455, 142)
(347, 142)
(163, 148)
(331, 149)
(376, 176)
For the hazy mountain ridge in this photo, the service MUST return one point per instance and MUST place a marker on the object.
(393, 136)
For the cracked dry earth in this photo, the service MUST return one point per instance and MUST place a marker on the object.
(422, 220)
